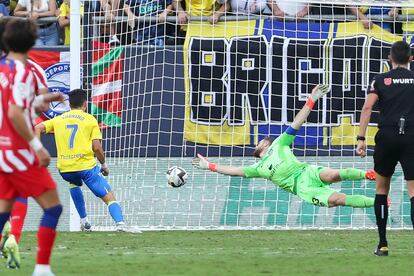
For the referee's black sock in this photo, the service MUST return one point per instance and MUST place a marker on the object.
(412, 210)
(381, 213)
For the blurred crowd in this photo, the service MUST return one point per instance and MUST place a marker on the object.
(145, 21)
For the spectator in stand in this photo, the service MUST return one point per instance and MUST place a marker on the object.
(111, 9)
(64, 19)
(4, 8)
(407, 25)
(152, 33)
(35, 9)
(363, 13)
(201, 8)
(250, 7)
(282, 8)
(12, 6)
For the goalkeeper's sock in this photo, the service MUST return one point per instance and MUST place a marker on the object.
(4, 217)
(381, 213)
(18, 214)
(78, 200)
(116, 212)
(47, 234)
(412, 210)
(351, 174)
(359, 201)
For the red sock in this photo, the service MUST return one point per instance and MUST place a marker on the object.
(45, 239)
(18, 214)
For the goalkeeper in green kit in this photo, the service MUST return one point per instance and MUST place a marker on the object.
(278, 164)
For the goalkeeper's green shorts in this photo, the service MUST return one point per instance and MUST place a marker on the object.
(311, 188)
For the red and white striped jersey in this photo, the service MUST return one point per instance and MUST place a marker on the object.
(18, 86)
(39, 74)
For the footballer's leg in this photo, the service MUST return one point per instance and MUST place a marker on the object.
(101, 188)
(75, 183)
(77, 196)
(11, 248)
(43, 189)
(381, 213)
(5, 209)
(355, 201)
(329, 176)
(52, 209)
(18, 214)
(7, 195)
(4, 235)
(410, 186)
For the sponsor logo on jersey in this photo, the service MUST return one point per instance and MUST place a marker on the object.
(388, 81)
(403, 81)
(58, 79)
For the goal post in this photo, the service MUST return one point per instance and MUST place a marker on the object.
(160, 102)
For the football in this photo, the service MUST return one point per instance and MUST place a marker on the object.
(176, 176)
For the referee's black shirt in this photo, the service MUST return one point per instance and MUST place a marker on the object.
(395, 90)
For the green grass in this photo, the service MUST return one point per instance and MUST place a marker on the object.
(223, 253)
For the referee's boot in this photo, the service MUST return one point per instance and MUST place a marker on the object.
(381, 251)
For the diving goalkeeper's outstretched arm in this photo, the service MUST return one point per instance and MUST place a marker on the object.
(318, 92)
(202, 162)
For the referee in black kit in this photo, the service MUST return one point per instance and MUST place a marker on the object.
(394, 141)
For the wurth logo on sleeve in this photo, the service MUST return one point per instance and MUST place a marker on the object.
(389, 81)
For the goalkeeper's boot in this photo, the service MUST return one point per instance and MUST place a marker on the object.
(381, 252)
(370, 174)
(4, 236)
(13, 255)
(86, 226)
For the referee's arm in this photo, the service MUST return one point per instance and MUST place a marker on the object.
(370, 101)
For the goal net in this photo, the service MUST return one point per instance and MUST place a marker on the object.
(164, 92)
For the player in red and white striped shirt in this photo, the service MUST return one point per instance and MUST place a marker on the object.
(19, 210)
(23, 159)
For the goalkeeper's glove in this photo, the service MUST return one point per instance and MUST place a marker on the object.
(318, 92)
(202, 163)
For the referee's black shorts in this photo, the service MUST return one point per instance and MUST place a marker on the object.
(391, 148)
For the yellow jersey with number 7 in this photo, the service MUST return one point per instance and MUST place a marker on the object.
(74, 132)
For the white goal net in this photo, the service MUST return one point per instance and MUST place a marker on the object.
(164, 92)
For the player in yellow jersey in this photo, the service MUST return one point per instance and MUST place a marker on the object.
(78, 141)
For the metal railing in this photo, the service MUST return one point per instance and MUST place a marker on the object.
(224, 18)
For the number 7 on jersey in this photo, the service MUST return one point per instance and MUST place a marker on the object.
(73, 129)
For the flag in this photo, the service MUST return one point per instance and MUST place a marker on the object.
(56, 65)
(107, 73)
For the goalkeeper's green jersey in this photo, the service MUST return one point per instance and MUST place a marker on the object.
(278, 165)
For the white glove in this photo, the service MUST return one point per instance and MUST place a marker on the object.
(201, 162)
(319, 91)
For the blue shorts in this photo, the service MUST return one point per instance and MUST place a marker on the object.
(92, 178)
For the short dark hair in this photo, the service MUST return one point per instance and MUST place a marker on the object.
(3, 21)
(268, 139)
(400, 52)
(77, 98)
(20, 35)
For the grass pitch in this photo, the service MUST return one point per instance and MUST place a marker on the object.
(222, 253)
